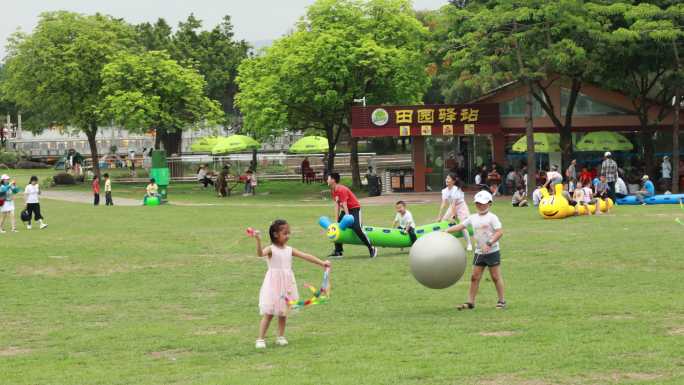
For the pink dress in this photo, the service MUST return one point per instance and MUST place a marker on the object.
(279, 283)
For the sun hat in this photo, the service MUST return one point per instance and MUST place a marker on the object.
(483, 197)
(607, 154)
(5, 177)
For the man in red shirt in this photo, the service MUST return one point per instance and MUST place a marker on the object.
(346, 203)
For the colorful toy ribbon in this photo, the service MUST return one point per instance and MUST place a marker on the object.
(681, 205)
(319, 296)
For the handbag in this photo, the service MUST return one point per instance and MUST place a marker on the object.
(25, 216)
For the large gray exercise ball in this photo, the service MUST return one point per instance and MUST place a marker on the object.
(437, 260)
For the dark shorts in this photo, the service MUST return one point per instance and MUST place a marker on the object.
(516, 204)
(491, 259)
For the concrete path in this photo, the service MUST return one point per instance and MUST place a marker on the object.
(84, 197)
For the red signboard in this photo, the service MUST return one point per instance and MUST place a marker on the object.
(427, 120)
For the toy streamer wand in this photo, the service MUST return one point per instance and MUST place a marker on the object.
(681, 205)
(319, 296)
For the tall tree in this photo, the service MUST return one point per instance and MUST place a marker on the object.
(215, 53)
(152, 90)
(556, 40)
(340, 51)
(56, 71)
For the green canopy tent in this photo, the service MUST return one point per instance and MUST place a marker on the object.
(543, 143)
(310, 145)
(604, 141)
(234, 143)
(205, 144)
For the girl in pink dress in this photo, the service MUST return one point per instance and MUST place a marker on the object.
(279, 285)
(453, 199)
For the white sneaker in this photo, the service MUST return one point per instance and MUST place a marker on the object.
(44, 225)
(469, 247)
(28, 227)
(281, 341)
(2, 231)
(15, 231)
(260, 344)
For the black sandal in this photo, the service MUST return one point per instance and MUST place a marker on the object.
(466, 306)
(501, 304)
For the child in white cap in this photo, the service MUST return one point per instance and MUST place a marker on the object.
(8, 188)
(487, 232)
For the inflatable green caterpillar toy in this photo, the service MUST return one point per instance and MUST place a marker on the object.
(378, 236)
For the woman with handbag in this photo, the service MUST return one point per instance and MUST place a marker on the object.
(32, 193)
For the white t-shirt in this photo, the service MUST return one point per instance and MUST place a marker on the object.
(537, 196)
(31, 192)
(201, 174)
(620, 186)
(405, 221)
(553, 175)
(453, 195)
(484, 227)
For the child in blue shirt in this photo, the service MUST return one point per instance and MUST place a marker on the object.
(647, 190)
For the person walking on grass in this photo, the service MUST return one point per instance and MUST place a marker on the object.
(279, 286)
(609, 169)
(108, 190)
(32, 196)
(453, 199)
(96, 190)
(488, 231)
(8, 189)
(347, 204)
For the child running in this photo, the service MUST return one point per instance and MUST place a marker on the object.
(488, 231)
(453, 200)
(404, 221)
(279, 285)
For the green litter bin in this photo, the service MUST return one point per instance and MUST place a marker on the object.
(161, 173)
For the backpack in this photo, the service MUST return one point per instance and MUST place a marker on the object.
(3, 194)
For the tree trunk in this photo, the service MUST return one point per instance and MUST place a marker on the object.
(566, 129)
(354, 163)
(254, 160)
(172, 141)
(647, 141)
(675, 127)
(529, 133)
(91, 134)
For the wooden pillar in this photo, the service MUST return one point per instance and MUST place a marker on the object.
(418, 156)
(499, 148)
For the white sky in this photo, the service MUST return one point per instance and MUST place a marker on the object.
(253, 20)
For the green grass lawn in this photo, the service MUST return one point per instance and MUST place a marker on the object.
(168, 295)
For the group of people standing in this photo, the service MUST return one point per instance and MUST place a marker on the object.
(8, 193)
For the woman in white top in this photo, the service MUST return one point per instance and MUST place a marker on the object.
(453, 200)
(32, 195)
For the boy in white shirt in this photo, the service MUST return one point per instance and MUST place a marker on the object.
(488, 231)
(404, 221)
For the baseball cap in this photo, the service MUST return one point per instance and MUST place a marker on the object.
(483, 197)
(5, 177)
(645, 177)
(607, 153)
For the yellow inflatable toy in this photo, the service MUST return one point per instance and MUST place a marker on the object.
(557, 206)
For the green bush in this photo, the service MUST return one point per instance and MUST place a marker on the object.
(8, 157)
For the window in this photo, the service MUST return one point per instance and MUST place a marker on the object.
(586, 105)
(515, 108)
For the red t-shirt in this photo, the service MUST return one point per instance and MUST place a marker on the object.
(343, 194)
(96, 187)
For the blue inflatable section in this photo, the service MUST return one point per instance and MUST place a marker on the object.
(654, 200)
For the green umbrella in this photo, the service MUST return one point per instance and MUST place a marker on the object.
(235, 143)
(310, 145)
(205, 144)
(604, 141)
(543, 143)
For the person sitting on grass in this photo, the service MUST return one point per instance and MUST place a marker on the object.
(620, 188)
(488, 231)
(404, 221)
(152, 190)
(537, 195)
(647, 190)
(519, 197)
